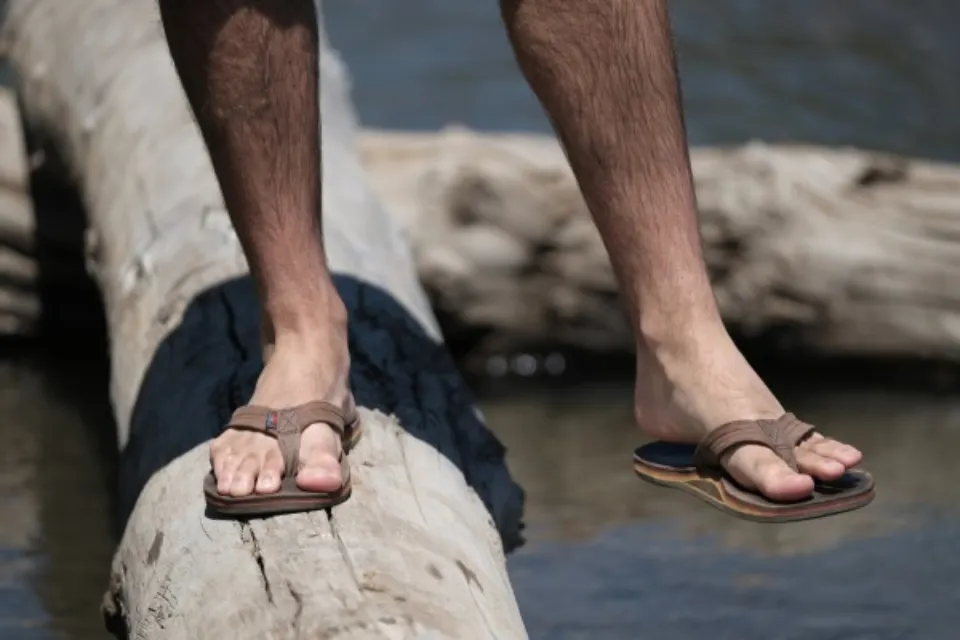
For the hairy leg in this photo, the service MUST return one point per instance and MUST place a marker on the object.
(250, 72)
(604, 70)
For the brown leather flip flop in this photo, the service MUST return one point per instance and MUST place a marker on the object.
(697, 470)
(287, 425)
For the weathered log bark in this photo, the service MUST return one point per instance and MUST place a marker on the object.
(415, 553)
(831, 251)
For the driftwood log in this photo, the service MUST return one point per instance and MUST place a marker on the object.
(828, 251)
(416, 552)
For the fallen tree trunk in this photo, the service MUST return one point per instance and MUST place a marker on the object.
(828, 251)
(415, 553)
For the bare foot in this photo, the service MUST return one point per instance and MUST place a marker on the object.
(296, 372)
(688, 387)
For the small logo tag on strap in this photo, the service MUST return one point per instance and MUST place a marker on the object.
(271, 421)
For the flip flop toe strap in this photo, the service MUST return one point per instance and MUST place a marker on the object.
(787, 432)
(727, 437)
(781, 435)
(287, 425)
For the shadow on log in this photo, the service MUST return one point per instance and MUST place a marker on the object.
(374, 553)
(419, 550)
(207, 367)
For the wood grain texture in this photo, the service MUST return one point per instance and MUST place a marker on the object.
(417, 552)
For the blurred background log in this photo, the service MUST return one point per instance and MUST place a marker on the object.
(826, 251)
(812, 249)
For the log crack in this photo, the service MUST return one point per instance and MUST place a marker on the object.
(406, 470)
(344, 553)
(298, 612)
(249, 539)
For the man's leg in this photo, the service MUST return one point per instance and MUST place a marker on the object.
(249, 68)
(604, 71)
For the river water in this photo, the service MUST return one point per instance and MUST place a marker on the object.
(607, 556)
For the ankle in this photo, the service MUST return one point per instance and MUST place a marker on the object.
(306, 319)
(311, 341)
(323, 358)
(324, 332)
(320, 336)
(680, 335)
(304, 368)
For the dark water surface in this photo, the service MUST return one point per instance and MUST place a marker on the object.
(56, 529)
(615, 558)
(873, 73)
(607, 557)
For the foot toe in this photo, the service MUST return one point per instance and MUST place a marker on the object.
(842, 453)
(760, 468)
(268, 481)
(778, 482)
(245, 477)
(819, 466)
(321, 473)
(219, 455)
(225, 470)
(319, 460)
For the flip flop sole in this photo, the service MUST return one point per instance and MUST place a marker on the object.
(853, 491)
(289, 499)
(278, 503)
